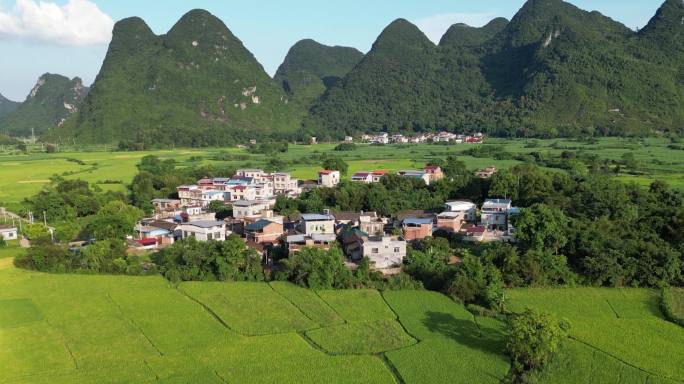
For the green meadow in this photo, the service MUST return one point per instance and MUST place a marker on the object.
(24, 175)
(111, 329)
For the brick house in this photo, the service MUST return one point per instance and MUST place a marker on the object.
(264, 231)
(417, 228)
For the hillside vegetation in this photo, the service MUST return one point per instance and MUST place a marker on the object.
(553, 70)
(195, 86)
(51, 101)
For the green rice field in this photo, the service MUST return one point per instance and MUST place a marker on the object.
(24, 175)
(109, 329)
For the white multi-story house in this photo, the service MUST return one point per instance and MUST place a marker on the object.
(256, 174)
(284, 184)
(206, 230)
(242, 192)
(189, 195)
(212, 195)
(249, 208)
(317, 224)
(384, 252)
(495, 214)
(328, 178)
(467, 208)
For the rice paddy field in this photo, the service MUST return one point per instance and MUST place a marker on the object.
(110, 329)
(24, 175)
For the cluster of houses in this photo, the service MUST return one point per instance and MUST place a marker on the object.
(440, 137)
(251, 194)
(428, 174)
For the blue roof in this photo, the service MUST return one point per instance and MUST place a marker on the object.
(316, 217)
(418, 221)
(259, 225)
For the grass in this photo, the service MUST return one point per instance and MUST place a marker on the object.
(678, 302)
(358, 305)
(454, 347)
(362, 338)
(248, 308)
(625, 324)
(24, 175)
(308, 302)
(114, 329)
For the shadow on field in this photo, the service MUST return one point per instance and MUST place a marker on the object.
(465, 332)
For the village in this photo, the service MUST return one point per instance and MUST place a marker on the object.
(252, 194)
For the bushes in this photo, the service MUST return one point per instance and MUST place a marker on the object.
(345, 147)
(672, 304)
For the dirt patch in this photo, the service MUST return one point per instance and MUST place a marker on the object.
(33, 182)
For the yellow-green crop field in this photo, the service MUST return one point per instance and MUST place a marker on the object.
(116, 329)
(23, 175)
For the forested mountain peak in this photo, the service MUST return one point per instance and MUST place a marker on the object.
(310, 68)
(464, 35)
(666, 28)
(404, 34)
(49, 103)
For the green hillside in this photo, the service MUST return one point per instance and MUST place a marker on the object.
(196, 85)
(7, 106)
(310, 68)
(553, 70)
(51, 101)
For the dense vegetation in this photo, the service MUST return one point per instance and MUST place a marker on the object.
(7, 106)
(195, 86)
(553, 70)
(53, 99)
(310, 68)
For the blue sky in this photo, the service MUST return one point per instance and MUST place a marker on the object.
(30, 43)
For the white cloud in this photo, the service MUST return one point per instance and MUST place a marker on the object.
(77, 23)
(435, 26)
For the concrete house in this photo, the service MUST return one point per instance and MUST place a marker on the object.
(205, 230)
(467, 208)
(295, 243)
(421, 175)
(8, 232)
(264, 231)
(495, 214)
(451, 221)
(434, 172)
(384, 252)
(376, 176)
(328, 178)
(372, 224)
(417, 228)
(249, 208)
(317, 224)
(362, 177)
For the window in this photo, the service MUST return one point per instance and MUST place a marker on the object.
(375, 251)
(217, 235)
(397, 250)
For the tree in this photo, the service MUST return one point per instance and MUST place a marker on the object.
(114, 221)
(477, 282)
(334, 163)
(542, 227)
(317, 269)
(220, 209)
(533, 338)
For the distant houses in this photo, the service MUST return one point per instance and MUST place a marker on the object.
(8, 232)
(328, 178)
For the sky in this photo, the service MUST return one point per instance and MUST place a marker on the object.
(70, 37)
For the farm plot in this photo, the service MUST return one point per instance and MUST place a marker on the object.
(624, 324)
(308, 302)
(453, 348)
(358, 305)
(362, 338)
(250, 309)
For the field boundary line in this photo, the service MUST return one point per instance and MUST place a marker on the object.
(218, 375)
(138, 327)
(617, 315)
(64, 342)
(295, 306)
(620, 359)
(398, 319)
(330, 306)
(209, 311)
(392, 368)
